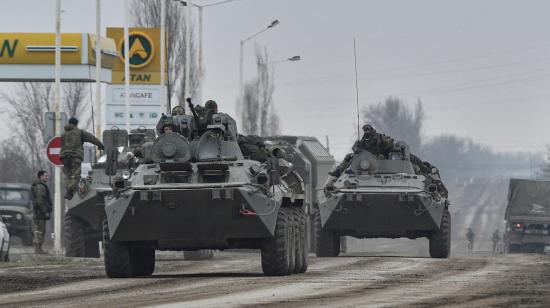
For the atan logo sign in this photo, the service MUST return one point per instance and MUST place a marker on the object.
(141, 49)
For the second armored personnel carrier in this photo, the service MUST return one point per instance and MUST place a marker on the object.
(384, 198)
(195, 190)
(83, 223)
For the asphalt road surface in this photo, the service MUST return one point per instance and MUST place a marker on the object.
(235, 280)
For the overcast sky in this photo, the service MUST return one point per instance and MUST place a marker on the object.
(481, 67)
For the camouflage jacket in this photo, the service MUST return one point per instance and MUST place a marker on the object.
(376, 144)
(73, 140)
(41, 200)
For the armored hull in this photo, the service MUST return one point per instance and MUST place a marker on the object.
(384, 198)
(195, 190)
(194, 216)
(388, 206)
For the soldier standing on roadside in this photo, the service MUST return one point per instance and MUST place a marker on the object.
(495, 239)
(470, 235)
(72, 154)
(42, 207)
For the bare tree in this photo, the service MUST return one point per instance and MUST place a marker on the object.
(27, 105)
(545, 168)
(395, 118)
(146, 13)
(251, 109)
(258, 115)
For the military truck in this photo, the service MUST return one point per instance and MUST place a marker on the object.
(16, 210)
(384, 198)
(527, 216)
(83, 223)
(312, 161)
(195, 190)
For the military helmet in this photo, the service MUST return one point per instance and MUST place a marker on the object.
(178, 110)
(211, 105)
(368, 129)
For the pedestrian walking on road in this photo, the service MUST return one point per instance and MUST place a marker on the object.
(42, 208)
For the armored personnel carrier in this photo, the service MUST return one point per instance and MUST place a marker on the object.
(83, 223)
(384, 198)
(195, 190)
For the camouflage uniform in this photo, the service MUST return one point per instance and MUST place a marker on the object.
(376, 143)
(253, 146)
(72, 153)
(495, 239)
(42, 207)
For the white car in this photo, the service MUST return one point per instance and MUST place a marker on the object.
(4, 242)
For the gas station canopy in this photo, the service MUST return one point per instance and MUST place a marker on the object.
(31, 57)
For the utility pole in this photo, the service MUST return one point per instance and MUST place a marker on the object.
(57, 101)
(188, 16)
(163, 93)
(126, 65)
(98, 109)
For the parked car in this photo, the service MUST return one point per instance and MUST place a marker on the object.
(16, 210)
(4, 242)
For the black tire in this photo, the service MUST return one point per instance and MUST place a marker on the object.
(116, 256)
(197, 255)
(27, 237)
(440, 241)
(7, 256)
(292, 233)
(327, 243)
(514, 248)
(302, 252)
(143, 260)
(75, 236)
(92, 248)
(276, 252)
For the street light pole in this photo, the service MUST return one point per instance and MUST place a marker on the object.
(241, 53)
(57, 100)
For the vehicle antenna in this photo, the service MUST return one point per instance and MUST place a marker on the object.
(356, 88)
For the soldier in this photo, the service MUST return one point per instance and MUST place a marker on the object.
(42, 208)
(495, 239)
(72, 153)
(253, 146)
(376, 143)
(470, 235)
(178, 110)
(211, 106)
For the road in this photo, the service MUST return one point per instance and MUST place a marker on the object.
(235, 280)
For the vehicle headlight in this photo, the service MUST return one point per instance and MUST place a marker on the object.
(364, 165)
(18, 216)
(434, 170)
(126, 174)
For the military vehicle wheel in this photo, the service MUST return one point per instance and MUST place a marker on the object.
(440, 241)
(327, 243)
(143, 260)
(116, 256)
(26, 238)
(292, 238)
(276, 251)
(301, 250)
(196, 255)
(77, 242)
(514, 248)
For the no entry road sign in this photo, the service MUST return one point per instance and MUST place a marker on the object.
(53, 151)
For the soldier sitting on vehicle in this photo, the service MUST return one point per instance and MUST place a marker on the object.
(376, 143)
(253, 146)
